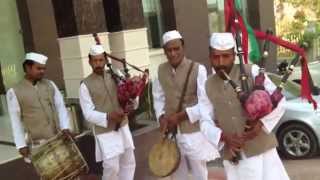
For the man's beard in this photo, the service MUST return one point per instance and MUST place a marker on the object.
(98, 70)
(219, 68)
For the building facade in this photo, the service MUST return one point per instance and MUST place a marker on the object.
(125, 27)
(62, 30)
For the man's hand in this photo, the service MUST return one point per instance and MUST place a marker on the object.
(163, 124)
(173, 121)
(176, 118)
(132, 106)
(116, 116)
(233, 142)
(66, 133)
(253, 131)
(25, 152)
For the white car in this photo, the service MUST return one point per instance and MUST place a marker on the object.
(298, 131)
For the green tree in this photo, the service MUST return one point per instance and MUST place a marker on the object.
(298, 20)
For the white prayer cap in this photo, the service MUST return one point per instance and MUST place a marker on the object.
(222, 41)
(36, 57)
(96, 50)
(170, 35)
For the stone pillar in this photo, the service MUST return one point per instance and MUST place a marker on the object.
(40, 34)
(128, 35)
(191, 20)
(76, 20)
(261, 16)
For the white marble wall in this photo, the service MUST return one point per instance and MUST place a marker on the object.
(129, 44)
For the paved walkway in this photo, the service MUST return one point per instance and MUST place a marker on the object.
(146, 137)
(297, 169)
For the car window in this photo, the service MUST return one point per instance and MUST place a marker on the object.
(291, 89)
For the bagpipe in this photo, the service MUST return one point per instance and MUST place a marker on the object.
(129, 88)
(256, 101)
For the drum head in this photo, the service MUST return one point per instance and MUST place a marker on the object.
(164, 158)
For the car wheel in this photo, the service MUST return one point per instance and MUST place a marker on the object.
(297, 141)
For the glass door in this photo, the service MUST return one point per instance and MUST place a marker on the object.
(11, 57)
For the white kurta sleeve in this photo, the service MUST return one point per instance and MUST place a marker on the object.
(64, 119)
(193, 112)
(15, 116)
(207, 125)
(88, 108)
(270, 121)
(158, 98)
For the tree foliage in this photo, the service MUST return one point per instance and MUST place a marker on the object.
(298, 20)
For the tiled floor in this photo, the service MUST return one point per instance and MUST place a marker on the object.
(7, 153)
(144, 138)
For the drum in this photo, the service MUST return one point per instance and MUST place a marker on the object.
(58, 159)
(164, 157)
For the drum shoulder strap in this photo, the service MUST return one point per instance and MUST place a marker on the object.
(184, 88)
(183, 93)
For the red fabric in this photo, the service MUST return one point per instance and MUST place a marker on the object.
(259, 81)
(258, 105)
(129, 89)
(230, 13)
(305, 75)
(230, 26)
(276, 96)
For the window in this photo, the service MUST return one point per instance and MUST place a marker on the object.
(11, 57)
(154, 22)
(216, 15)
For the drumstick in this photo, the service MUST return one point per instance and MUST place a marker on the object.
(82, 134)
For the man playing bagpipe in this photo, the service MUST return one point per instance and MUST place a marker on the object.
(100, 105)
(249, 151)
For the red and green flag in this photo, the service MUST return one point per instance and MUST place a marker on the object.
(249, 41)
(232, 9)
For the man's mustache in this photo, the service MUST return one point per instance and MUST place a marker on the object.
(98, 68)
(219, 68)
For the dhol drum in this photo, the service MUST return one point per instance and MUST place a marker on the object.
(58, 159)
(164, 157)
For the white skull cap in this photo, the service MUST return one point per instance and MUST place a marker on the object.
(36, 57)
(170, 35)
(96, 50)
(222, 41)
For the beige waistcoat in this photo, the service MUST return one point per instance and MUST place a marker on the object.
(172, 85)
(38, 112)
(103, 92)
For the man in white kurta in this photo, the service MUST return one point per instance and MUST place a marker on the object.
(20, 109)
(261, 166)
(195, 149)
(114, 147)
